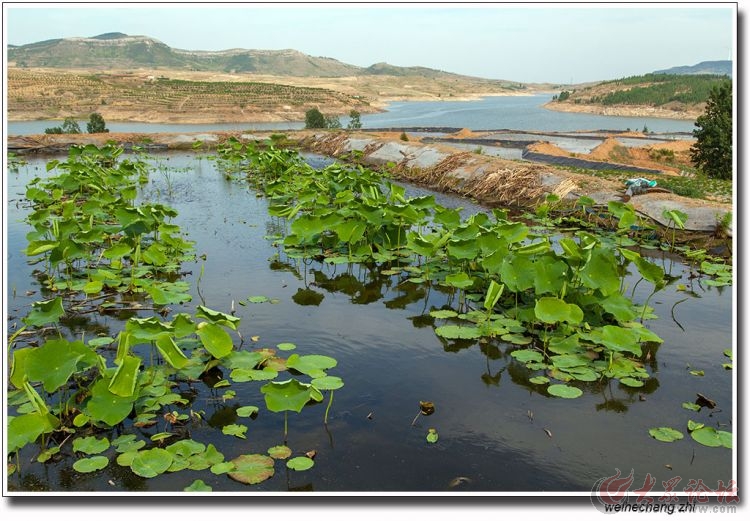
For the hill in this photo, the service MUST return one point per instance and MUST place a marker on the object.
(679, 96)
(121, 51)
(720, 67)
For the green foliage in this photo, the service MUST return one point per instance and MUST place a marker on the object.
(660, 89)
(563, 95)
(69, 126)
(96, 124)
(315, 119)
(354, 120)
(404, 137)
(712, 151)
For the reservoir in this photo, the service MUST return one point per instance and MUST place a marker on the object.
(490, 113)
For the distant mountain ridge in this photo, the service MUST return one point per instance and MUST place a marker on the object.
(720, 67)
(118, 50)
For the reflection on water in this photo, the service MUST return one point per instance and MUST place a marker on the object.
(497, 430)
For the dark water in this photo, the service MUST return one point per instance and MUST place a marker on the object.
(496, 112)
(390, 358)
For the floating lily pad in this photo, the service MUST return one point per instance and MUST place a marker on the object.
(280, 452)
(252, 468)
(300, 463)
(665, 434)
(564, 391)
(92, 464)
(222, 468)
(631, 382)
(247, 411)
(90, 445)
(710, 437)
(432, 436)
(458, 332)
(539, 380)
(286, 346)
(198, 486)
(328, 383)
(527, 355)
(312, 365)
(443, 313)
(235, 430)
(257, 299)
(150, 463)
(691, 406)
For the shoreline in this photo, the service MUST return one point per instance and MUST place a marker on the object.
(625, 111)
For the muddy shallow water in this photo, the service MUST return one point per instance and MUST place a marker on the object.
(497, 432)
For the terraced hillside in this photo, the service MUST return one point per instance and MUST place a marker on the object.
(34, 94)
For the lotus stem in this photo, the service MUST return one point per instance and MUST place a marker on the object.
(414, 421)
(330, 401)
(286, 414)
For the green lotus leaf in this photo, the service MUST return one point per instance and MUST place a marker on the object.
(247, 411)
(56, 361)
(280, 452)
(215, 339)
(252, 468)
(150, 463)
(312, 365)
(198, 486)
(539, 380)
(92, 464)
(458, 332)
(665, 434)
(45, 312)
(217, 317)
(328, 383)
(286, 346)
(90, 445)
(527, 355)
(552, 310)
(710, 437)
(564, 391)
(106, 406)
(443, 313)
(27, 428)
(235, 430)
(289, 395)
(300, 463)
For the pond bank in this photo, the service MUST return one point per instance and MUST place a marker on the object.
(491, 180)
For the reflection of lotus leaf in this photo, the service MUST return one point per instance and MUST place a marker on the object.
(252, 468)
(307, 297)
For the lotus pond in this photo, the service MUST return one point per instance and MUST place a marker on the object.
(258, 321)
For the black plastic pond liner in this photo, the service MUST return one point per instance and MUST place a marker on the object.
(582, 163)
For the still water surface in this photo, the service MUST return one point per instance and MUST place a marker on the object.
(390, 358)
(496, 112)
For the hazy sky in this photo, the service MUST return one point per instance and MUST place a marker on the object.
(557, 43)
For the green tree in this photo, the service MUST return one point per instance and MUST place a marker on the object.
(354, 121)
(70, 126)
(332, 122)
(315, 119)
(96, 124)
(712, 151)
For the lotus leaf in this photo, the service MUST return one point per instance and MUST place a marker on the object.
(252, 468)
(527, 355)
(198, 486)
(90, 445)
(328, 383)
(312, 365)
(27, 428)
(53, 363)
(443, 313)
(150, 463)
(289, 395)
(247, 411)
(564, 391)
(710, 437)
(106, 406)
(217, 317)
(300, 463)
(552, 310)
(215, 339)
(235, 430)
(280, 452)
(458, 332)
(286, 346)
(93, 464)
(432, 436)
(45, 312)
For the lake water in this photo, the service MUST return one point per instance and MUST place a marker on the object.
(491, 113)
(390, 358)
